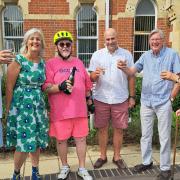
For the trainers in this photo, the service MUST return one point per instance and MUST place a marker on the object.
(36, 176)
(64, 172)
(16, 177)
(164, 175)
(35, 173)
(84, 174)
(141, 167)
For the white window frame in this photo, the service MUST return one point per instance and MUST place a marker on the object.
(144, 32)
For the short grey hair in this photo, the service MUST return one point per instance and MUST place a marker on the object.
(26, 38)
(157, 31)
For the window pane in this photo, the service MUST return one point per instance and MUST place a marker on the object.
(86, 33)
(13, 25)
(144, 23)
(17, 43)
(87, 45)
(85, 58)
(87, 29)
(86, 13)
(145, 7)
(13, 28)
(141, 43)
(12, 13)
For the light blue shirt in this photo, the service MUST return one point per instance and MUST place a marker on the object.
(112, 86)
(156, 91)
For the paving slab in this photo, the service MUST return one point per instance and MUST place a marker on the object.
(49, 164)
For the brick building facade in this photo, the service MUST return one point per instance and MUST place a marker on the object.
(54, 15)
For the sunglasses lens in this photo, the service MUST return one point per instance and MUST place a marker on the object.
(64, 44)
(68, 44)
(61, 45)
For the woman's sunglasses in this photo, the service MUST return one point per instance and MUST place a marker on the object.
(62, 44)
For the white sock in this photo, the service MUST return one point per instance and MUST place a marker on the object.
(65, 167)
(81, 169)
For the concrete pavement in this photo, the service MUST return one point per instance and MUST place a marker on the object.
(49, 163)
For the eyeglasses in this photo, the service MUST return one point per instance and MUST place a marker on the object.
(62, 44)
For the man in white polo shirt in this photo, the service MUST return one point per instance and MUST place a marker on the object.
(114, 94)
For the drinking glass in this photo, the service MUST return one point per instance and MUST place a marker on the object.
(103, 70)
(9, 44)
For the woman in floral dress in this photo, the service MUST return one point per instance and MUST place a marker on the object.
(27, 122)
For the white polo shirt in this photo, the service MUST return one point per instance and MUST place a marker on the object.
(112, 86)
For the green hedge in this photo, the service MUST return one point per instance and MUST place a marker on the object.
(131, 135)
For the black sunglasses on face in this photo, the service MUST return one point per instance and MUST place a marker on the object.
(62, 44)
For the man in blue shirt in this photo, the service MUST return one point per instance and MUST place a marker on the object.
(156, 100)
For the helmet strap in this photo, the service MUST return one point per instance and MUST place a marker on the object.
(64, 58)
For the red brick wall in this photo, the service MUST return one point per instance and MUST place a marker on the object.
(162, 24)
(124, 26)
(121, 5)
(125, 31)
(117, 6)
(101, 34)
(48, 7)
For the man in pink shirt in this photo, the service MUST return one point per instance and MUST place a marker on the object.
(68, 108)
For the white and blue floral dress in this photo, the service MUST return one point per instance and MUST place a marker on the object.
(27, 122)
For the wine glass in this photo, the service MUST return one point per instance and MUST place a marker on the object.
(9, 44)
(103, 70)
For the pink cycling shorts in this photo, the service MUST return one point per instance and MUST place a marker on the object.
(64, 129)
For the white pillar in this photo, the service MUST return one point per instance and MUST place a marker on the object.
(107, 14)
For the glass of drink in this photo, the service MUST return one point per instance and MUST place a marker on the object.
(9, 44)
(102, 71)
(122, 61)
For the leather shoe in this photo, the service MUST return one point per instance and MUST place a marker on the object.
(99, 163)
(141, 167)
(164, 175)
(120, 163)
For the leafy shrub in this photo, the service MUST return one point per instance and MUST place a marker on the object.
(131, 135)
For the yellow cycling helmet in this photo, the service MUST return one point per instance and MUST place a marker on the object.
(61, 35)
